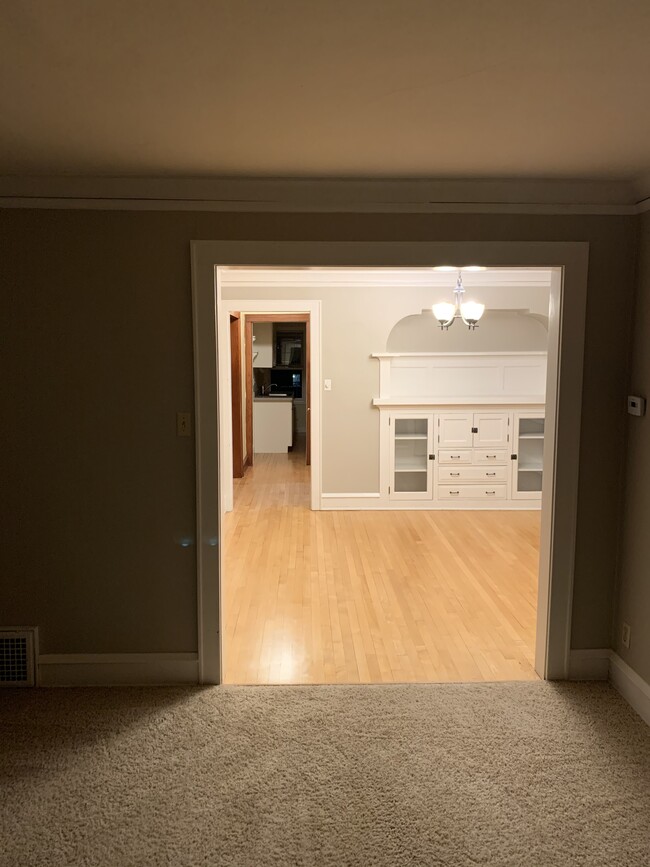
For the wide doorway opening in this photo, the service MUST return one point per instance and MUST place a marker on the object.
(383, 461)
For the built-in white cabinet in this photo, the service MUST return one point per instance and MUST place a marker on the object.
(411, 456)
(482, 459)
(454, 429)
(473, 429)
(528, 456)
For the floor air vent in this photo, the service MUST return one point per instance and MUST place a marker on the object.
(16, 657)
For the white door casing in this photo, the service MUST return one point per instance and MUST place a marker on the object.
(563, 409)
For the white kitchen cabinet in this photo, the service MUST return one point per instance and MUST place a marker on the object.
(272, 425)
(411, 456)
(527, 462)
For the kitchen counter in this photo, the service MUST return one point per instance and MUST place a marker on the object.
(272, 424)
(267, 397)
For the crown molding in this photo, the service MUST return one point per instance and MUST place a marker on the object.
(323, 195)
(254, 278)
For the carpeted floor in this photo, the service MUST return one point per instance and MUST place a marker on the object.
(477, 774)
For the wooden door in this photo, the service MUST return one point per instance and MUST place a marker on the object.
(237, 403)
(307, 389)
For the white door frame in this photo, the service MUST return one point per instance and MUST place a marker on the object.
(224, 308)
(563, 407)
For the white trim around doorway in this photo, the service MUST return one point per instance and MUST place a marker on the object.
(227, 306)
(563, 402)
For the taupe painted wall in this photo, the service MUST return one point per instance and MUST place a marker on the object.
(96, 309)
(633, 603)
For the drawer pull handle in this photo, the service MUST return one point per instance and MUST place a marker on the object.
(490, 474)
(455, 457)
(490, 492)
(490, 456)
(454, 492)
(454, 474)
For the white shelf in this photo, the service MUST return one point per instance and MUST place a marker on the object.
(529, 469)
(442, 401)
(416, 468)
(531, 436)
(411, 436)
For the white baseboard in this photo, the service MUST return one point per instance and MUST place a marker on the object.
(363, 502)
(604, 664)
(330, 502)
(630, 685)
(116, 669)
(589, 664)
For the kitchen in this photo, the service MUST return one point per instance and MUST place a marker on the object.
(278, 386)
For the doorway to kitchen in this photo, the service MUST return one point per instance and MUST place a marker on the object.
(277, 364)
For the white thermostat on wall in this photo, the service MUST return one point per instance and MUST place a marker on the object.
(635, 404)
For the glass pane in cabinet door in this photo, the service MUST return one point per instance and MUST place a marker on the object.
(411, 483)
(530, 427)
(411, 427)
(411, 454)
(531, 454)
(529, 481)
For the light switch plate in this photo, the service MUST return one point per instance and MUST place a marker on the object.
(635, 404)
(327, 385)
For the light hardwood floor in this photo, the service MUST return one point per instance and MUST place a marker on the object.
(372, 597)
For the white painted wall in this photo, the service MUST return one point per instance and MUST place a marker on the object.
(263, 346)
(498, 331)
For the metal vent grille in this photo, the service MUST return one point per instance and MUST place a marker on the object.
(16, 657)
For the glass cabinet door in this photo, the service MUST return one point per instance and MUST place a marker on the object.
(528, 465)
(411, 448)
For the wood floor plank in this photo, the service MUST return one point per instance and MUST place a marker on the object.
(372, 597)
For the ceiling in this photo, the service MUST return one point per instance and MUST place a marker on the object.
(326, 88)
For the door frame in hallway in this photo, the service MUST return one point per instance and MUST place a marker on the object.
(275, 318)
(279, 307)
(563, 402)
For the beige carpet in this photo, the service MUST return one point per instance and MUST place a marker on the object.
(478, 774)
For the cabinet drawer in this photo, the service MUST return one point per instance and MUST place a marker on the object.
(472, 474)
(455, 456)
(490, 456)
(471, 492)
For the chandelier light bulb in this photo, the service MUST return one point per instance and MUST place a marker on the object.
(472, 310)
(469, 311)
(444, 311)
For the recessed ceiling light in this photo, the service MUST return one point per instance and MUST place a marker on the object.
(473, 268)
(445, 268)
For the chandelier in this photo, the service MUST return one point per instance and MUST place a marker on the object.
(446, 312)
